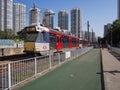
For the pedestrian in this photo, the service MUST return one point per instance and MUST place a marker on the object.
(102, 46)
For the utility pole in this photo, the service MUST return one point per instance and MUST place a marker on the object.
(111, 37)
(88, 25)
(92, 36)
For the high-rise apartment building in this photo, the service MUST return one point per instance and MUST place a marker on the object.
(6, 14)
(63, 19)
(48, 18)
(106, 28)
(2, 14)
(19, 12)
(34, 15)
(118, 9)
(76, 22)
(92, 36)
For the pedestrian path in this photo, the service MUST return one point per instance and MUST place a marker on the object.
(111, 70)
(83, 73)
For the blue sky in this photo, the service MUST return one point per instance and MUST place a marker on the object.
(98, 12)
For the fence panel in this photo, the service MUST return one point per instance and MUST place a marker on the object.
(22, 70)
(42, 63)
(62, 56)
(3, 76)
(55, 59)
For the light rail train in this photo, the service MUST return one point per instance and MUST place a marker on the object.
(40, 39)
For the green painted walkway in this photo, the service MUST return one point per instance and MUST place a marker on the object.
(82, 73)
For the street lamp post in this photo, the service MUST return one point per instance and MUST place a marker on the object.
(88, 25)
(111, 40)
(111, 37)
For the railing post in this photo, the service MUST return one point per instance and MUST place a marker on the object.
(50, 63)
(9, 77)
(59, 58)
(35, 67)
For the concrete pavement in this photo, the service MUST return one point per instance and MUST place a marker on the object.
(111, 71)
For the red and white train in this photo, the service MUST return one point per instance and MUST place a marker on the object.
(40, 39)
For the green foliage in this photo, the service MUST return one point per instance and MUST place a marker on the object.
(114, 33)
(8, 34)
(101, 41)
(22, 34)
(2, 34)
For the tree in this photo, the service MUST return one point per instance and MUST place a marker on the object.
(6, 34)
(22, 34)
(9, 34)
(116, 32)
(2, 34)
(113, 36)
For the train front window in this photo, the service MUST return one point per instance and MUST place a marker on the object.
(31, 28)
(31, 36)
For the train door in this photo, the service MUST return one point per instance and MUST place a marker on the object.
(77, 43)
(65, 42)
(53, 40)
(59, 43)
(73, 42)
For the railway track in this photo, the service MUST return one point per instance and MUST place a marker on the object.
(116, 55)
(17, 57)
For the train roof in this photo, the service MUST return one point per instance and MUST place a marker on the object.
(41, 28)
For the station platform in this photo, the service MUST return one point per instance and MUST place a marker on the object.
(111, 70)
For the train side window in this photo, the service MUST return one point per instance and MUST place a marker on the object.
(73, 40)
(80, 41)
(52, 38)
(67, 40)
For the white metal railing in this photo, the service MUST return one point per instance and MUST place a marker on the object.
(17, 72)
